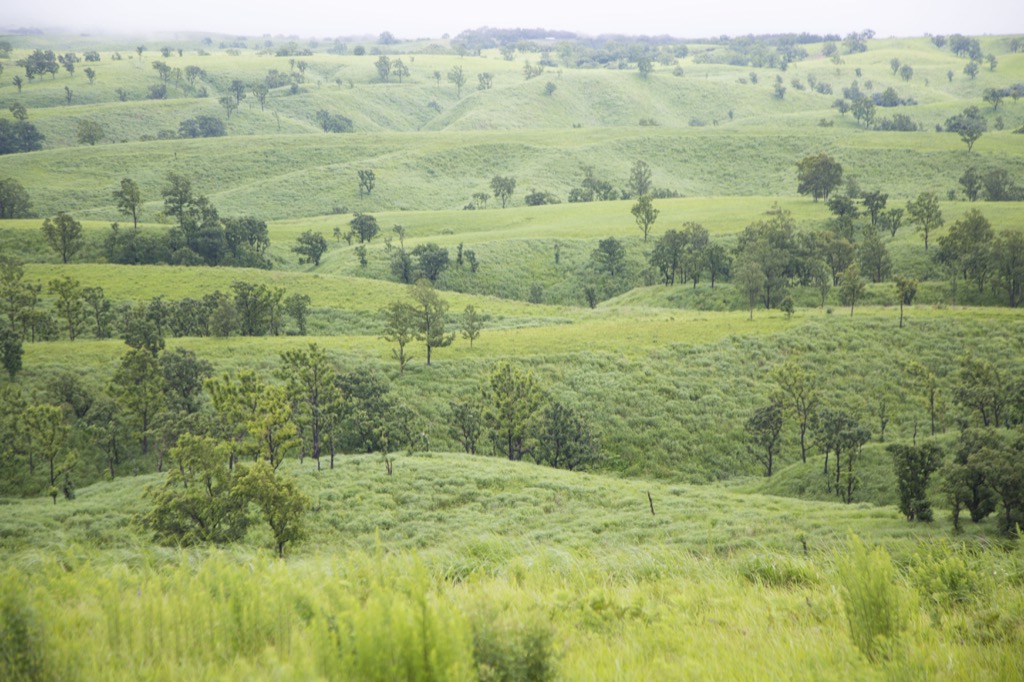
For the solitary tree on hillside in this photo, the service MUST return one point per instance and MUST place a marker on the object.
(471, 323)
(763, 429)
(750, 279)
(640, 179)
(969, 125)
(311, 247)
(457, 77)
(431, 314)
(513, 399)
(367, 181)
(851, 286)
(818, 175)
(400, 328)
(503, 187)
(799, 394)
(645, 214)
(129, 199)
(64, 235)
(925, 214)
(906, 289)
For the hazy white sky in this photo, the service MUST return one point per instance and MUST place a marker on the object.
(432, 18)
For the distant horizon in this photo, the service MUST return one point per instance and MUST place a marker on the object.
(408, 20)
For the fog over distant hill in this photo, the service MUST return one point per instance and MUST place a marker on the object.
(410, 18)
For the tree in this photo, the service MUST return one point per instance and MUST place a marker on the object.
(993, 96)
(750, 279)
(970, 124)
(565, 437)
(309, 377)
(763, 430)
(894, 64)
(851, 286)
(183, 373)
(609, 258)
(913, 466)
(14, 200)
(333, 123)
(229, 103)
(512, 398)
(64, 235)
(364, 226)
(90, 132)
(982, 389)
(201, 126)
(906, 72)
(874, 201)
(874, 257)
(399, 68)
(69, 302)
(465, 422)
(717, 260)
(280, 502)
(129, 199)
(549, 88)
(138, 388)
(471, 323)
(971, 181)
(431, 316)
(49, 436)
(198, 502)
(1002, 466)
(19, 136)
(457, 77)
(11, 350)
(645, 214)
(925, 214)
(503, 187)
(400, 320)
(818, 175)
(18, 111)
(260, 91)
(1008, 265)
(432, 260)
(863, 110)
(639, 179)
(644, 66)
(485, 81)
(799, 393)
(971, 70)
(297, 305)
(906, 289)
(383, 65)
(310, 247)
(367, 180)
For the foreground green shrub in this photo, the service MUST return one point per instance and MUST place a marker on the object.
(22, 646)
(872, 600)
(944, 577)
(507, 649)
(777, 570)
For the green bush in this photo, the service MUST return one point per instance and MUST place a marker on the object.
(872, 600)
(22, 646)
(507, 649)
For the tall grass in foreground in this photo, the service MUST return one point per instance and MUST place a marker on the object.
(663, 614)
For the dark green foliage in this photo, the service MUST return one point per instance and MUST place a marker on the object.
(818, 175)
(364, 226)
(970, 125)
(506, 650)
(19, 136)
(64, 235)
(431, 260)
(311, 247)
(925, 214)
(333, 123)
(11, 350)
(512, 399)
(465, 423)
(197, 503)
(913, 466)
(14, 200)
(763, 429)
(310, 378)
(184, 374)
(246, 239)
(258, 307)
(297, 305)
(565, 438)
(280, 502)
(202, 126)
(431, 317)
(964, 482)
(503, 187)
(367, 181)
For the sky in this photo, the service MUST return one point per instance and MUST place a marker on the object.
(408, 19)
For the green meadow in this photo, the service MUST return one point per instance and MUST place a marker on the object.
(669, 555)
